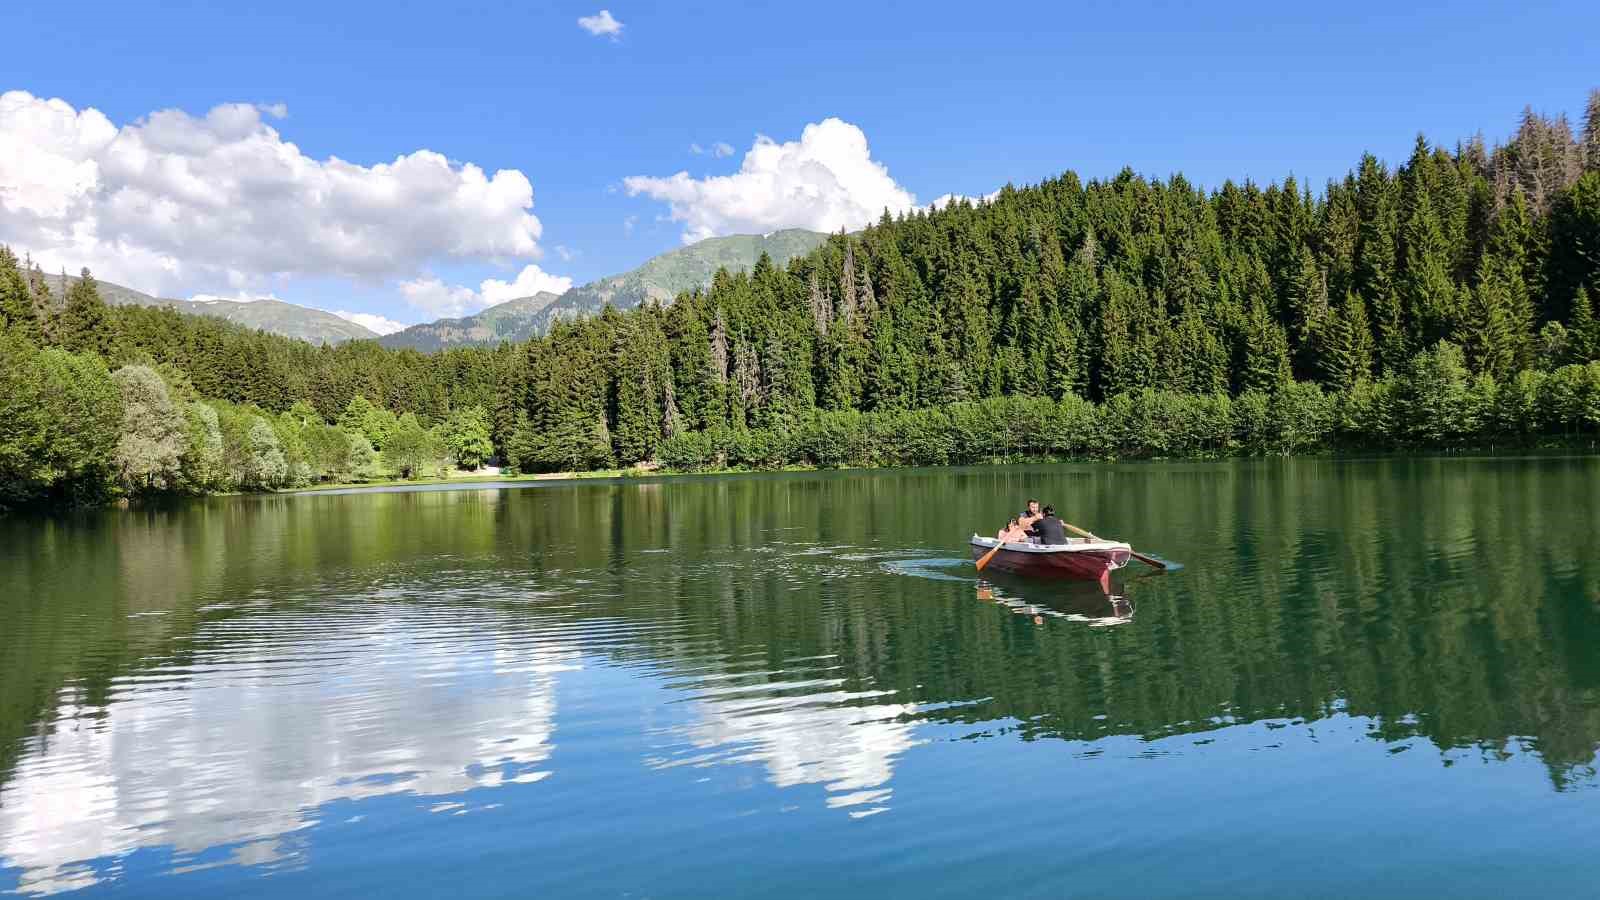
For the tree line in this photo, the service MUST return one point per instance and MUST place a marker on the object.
(1447, 302)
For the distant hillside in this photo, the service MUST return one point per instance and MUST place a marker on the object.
(671, 273)
(273, 316)
(660, 278)
(512, 320)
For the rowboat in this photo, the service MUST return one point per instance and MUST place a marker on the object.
(1082, 558)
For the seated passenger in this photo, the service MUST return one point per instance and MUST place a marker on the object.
(1013, 533)
(1030, 515)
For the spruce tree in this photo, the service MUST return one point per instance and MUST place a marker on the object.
(1591, 132)
(84, 325)
(1346, 357)
(1484, 333)
(1265, 362)
(17, 314)
(1062, 378)
(887, 384)
(1426, 288)
(1583, 343)
(1308, 310)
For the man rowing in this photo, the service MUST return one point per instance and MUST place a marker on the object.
(1047, 529)
(1016, 531)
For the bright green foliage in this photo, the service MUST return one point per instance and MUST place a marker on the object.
(153, 436)
(353, 419)
(362, 462)
(290, 432)
(1433, 396)
(412, 451)
(59, 420)
(466, 437)
(201, 464)
(372, 422)
(264, 466)
(327, 450)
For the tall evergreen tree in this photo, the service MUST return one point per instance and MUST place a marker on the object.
(1265, 363)
(1591, 132)
(1346, 356)
(1584, 332)
(1485, 331)
(84, 324)
(17, 313)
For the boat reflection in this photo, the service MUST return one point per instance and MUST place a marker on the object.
(1084, 602)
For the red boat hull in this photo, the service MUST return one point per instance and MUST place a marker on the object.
(1086, 564)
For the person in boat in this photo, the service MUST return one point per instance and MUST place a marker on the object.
(1014, 532)
(1030, 515)
(1048, 529)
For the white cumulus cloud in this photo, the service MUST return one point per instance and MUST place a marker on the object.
(825, 181)
(436, 298)
(601, 24)
(373, 323)
(174, 200)
(721, 149)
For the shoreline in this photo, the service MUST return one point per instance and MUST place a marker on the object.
(638, 473)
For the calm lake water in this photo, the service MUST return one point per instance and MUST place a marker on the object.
(1374, 677)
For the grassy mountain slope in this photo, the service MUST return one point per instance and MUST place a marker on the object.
(273, 316)
(508, 321)
(660, 278)
(665, 276)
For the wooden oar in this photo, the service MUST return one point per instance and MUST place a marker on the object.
(1147, 560)
(984, 559)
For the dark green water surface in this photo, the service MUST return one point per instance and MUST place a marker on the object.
(1376, 678)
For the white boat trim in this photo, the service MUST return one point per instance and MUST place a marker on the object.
(1073, 545)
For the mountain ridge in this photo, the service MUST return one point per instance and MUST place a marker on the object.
(660, 278)
(271, 315)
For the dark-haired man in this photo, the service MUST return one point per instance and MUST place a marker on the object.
(1048, 529)
(1030, 515)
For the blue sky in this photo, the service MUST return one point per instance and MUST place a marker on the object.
(952, 98)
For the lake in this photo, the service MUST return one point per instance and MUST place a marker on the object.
(1368, 676)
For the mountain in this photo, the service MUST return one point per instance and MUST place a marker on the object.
(660, 278)
(273, 316)
(278, 317)
(512, 320)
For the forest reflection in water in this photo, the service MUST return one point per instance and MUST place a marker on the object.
(236, 682)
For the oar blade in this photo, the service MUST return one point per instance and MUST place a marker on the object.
(984, 559)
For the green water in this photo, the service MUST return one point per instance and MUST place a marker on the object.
(1368, 676)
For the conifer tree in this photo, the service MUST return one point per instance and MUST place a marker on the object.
(1484, 333)
(1062, 378)
(1375, 263)
(1308, 310)
(1591, 132)
(1426, 288)
(1583, 343)
(889, 377)
(1265, 364)
(1346, 356)
(17, 313)
(84, 324)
